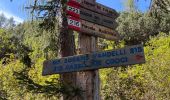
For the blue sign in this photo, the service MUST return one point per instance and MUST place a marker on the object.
(112, 58)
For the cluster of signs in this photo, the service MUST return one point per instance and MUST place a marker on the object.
(112, 58)
(89, 17)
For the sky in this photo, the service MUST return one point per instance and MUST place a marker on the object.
(16, 9)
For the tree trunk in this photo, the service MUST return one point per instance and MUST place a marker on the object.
(67, 45)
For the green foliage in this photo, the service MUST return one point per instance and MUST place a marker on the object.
(23, 50)
(11, 45)
(165, 23)
(26, 47)
(159, 8)
(149, 81)
(135, 27)
(42, 42)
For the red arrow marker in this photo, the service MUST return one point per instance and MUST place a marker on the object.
(138, 57)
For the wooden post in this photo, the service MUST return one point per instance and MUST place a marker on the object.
(88, 81)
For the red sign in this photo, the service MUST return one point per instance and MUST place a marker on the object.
(74, 23)
(73, 10)
(139, 57)
(76, 2)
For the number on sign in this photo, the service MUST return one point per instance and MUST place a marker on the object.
(135, 50)
(77, 23)
(73, 9)
(74, 23)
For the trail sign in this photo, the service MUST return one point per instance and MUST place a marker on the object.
(112, 58)
(98, 30)
(92, 29)
(94, 6)
(74, 23)
(99, 8)
(89, 15)
(97, 18)
(73, 10)
(85, 20)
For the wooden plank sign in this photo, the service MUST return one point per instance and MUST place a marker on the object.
(106, 10)
(91, 22)
(99, 8)
(97, 18)
(91, 16)
(92, 29)
(98, 30)
(112, 58)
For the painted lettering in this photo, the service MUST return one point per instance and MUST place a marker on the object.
(76, 59)
(89, 4)
(136, 50)
(105, 31)
(88, 27)
(85, 14)
(74, 66)
(96, 63)
(56, 62)
(107, 21)
(116, 61)
(58, 68)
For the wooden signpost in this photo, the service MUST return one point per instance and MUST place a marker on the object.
(98, 30)
(92, 20)
(97, 18)
(92, 29)
(94, 6)
(112, 58)
(90, 16)
(99, 8)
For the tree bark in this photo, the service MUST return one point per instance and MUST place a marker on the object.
(67, 46)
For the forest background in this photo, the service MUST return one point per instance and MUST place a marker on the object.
(25, 46)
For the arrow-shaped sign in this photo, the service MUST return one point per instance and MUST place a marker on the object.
(96, 60)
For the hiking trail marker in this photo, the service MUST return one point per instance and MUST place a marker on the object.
(98, 18)
(97, 60)
(92, 20)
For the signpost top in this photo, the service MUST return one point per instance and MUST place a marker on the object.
(96, 7)
(92, 18)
